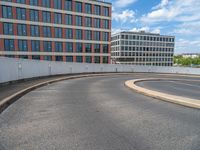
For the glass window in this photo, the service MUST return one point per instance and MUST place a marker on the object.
(68, 5)
(58, 18)
(88, 48)
(78, 34)
(69, 47)
(21, 1)
(58, 32)
(105, 24)
(79, 59)
(9, 45)
(69, 58)
(96, 35)
(105, 36)
(35, 46)
(88, 8)
(34, 2)
(97, 23)
(8, 28)
(105, 11)
(97, 48)
(46, 16)
(69, 33)
(36, 57)
(59, 58)
(68, 19)
(21, 30)
(21, 13)
(7, 12)
(88, 59)
(105, 59)
(35, 30)
(34, 15)
(79, 47)
(58, 47)
(78, 7)
(57, 4)
(22, 45)
(96, 59)
(78, 20)
(46, 3)
(88, 22)
(47, 31)
(105, 48)
(47, 46)
(97, 10)
(88, 35)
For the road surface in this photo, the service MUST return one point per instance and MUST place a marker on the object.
(97, 113)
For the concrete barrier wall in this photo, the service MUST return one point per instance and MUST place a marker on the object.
(15, 69)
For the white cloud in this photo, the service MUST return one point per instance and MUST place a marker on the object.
(125, 16)
(162, 4)
(123, 3)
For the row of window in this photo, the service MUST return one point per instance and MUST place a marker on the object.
(104, 11)
(145, 55)
(59, 46)
(143, 49)
(146, 64)
(58, 19)
(88, 59)
(58, 32)
(145, 59)
(145, 38)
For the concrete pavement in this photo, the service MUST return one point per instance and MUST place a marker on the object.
(97, 113)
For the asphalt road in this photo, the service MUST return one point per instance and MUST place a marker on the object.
(97, 113)
(190, 89)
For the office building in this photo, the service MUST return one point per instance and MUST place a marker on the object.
(141, 48)
(57, 30)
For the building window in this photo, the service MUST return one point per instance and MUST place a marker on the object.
(7, 12)
(88, 48)
(47, 46)
(96, 35)
(34, 15)
(59, 58)
(69, 33)
(96, 59)
(46, 16)
(68, 5)
(46, 3)
(105, 48)
(69, 58)
(36, 57)
(21, 30)
(69, 47)
(35, 30)
(35, 46)
(79, 47)
(97, 10)
(48, 58)
(57, 4)
(88, 35)
(105, 36)
(21, 13)
(105, 59)
(22, 45)
(9, 45)
(88, 8)
(97, 23)
(97, 48)
(58, 32)
(47, 31)
(88, 59)
(78, 7)
(88, 22)
(105, 11)
(34, 2)
(58, 47)
(79, 59)
(105, 24)
(68, 19)
(8, 28)
(58, 18)
(78, 20)
(21, 1)
(79, 34)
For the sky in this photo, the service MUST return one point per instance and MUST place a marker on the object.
(179, 18)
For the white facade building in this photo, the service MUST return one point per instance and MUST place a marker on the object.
(141, 48)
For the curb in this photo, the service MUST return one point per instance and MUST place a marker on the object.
(188, 102)
(6, 102)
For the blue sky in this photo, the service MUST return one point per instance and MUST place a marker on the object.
(180, 18)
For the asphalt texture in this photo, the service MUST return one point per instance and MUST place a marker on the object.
(189, 89)
(97, 113)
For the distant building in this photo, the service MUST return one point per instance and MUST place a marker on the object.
(57, 30)
(192, 55)
(141, 48)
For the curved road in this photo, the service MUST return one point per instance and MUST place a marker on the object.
(97, 113)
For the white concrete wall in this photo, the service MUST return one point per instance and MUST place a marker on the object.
(15, 69)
